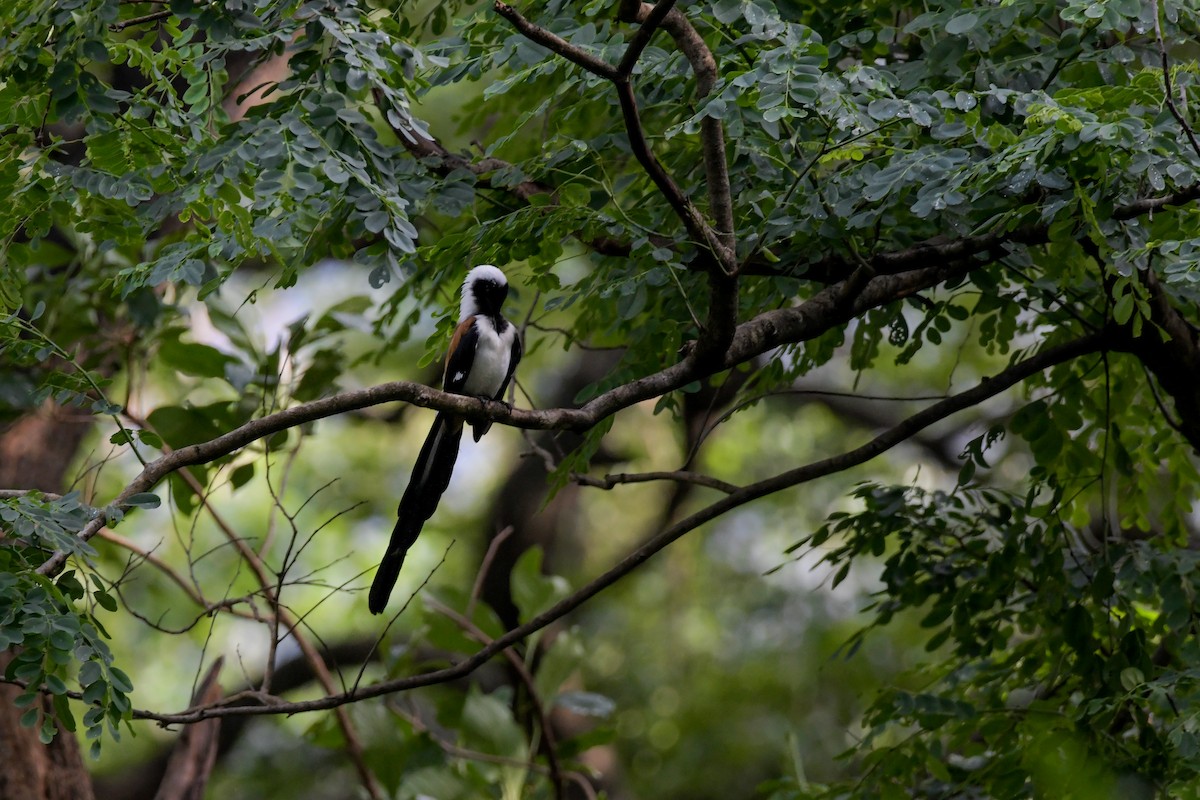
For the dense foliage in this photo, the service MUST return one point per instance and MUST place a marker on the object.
(941, 201)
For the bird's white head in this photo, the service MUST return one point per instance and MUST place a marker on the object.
(483, 292)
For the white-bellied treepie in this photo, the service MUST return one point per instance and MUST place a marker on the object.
(483, 354)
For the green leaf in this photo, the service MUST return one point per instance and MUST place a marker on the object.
(532, 591)
(1132, 678)
(488, 720)
(190, 358)
(120, 680)
(143, 500)
(105, 600)
(150, 438)
(241, 475)
(962, 23)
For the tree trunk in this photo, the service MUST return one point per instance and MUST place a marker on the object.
(35, 452)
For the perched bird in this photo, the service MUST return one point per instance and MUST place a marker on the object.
(483, 354)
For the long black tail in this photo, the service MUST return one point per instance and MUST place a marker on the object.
(430, 477)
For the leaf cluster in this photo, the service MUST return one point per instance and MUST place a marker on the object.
(1038, 631)
(55, 643)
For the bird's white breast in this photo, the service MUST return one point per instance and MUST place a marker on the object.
(492, 353)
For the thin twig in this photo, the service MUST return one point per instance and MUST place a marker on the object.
(383, 634)
(457, 751)
(188, 587)
(153, 16)
(696, 226)
(15, 494)
(485, 566)
(271, 592)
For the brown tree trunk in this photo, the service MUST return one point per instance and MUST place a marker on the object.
(37, 449)
(35, 453)
(30, 770)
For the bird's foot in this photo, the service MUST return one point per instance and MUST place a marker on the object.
(485, 403)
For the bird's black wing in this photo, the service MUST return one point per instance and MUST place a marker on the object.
(461, 356)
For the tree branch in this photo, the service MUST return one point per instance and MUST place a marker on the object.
(940, 249)
(556, 44)
(651, 19)
(987, 388)
(445, 162)
(782, 326)
(1148, 205)
(1170, 348)
(723, 274)
(679, 476)
(696, 226)
(712, 134)
(153, 16)
(192, 760)
(271, 591)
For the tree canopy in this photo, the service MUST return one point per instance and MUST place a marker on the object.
(947, 253)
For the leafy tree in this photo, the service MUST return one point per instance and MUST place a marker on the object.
(922, 206)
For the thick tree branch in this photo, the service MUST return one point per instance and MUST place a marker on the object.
(651, 20)
(195, 753)
(692, 219)
(987, 388)
(1148, 205)
(937, 250)
(723, 275)
(940, 249)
